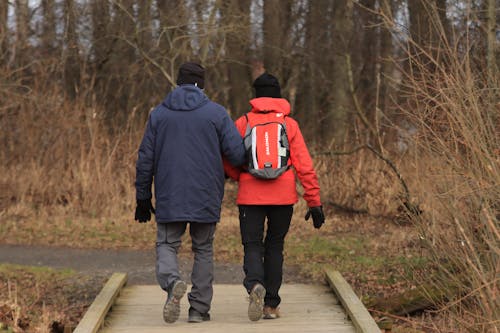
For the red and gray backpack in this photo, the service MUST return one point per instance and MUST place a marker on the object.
(266, 143)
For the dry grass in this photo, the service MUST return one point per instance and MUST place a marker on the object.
(59, 152)
(70, 183)
(456, 167)
(42, 300)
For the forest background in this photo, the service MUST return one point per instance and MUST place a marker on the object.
(398, 101)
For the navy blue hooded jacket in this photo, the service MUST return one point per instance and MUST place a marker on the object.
(182, 148)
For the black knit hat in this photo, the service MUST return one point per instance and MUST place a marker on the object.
(267, 85)
(191, 73)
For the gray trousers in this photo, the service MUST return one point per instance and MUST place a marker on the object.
(168, 241)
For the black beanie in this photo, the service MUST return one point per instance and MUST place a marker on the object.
(267, 85)
(191, 73)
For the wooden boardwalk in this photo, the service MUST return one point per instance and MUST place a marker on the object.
(305, 308)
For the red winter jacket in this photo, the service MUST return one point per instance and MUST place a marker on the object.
(282, 190)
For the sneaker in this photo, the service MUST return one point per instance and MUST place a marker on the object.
(271, 313)
(172, 307)
(197, 317)
(256, 302)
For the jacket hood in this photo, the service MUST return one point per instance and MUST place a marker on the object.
(269, 104)
(186, 97)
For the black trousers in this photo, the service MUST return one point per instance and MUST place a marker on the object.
(263, 259)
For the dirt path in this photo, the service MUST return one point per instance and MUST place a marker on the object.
(140, 265)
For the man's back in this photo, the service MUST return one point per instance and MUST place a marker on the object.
(185, 139)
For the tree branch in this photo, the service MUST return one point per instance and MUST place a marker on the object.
(413, 209)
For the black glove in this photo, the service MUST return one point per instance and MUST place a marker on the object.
(317, 215)
(143, 211)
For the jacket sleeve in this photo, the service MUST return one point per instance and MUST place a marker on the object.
(302, 162)
(231, 142)
(230, 170)
(145, 163)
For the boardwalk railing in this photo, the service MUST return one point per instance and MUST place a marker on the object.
(361, 318)
(93, 319)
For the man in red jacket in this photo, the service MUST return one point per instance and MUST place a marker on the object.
(273, 199)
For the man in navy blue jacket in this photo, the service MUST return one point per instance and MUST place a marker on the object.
(182, 148)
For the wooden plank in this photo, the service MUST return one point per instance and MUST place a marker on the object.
(94, 317)
(259, 327)
(359, 315)
(304, 308)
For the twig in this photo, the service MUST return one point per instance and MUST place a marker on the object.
(393, 167)
(413, 209)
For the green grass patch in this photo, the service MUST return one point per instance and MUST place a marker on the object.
(368, 267)
(39, 272)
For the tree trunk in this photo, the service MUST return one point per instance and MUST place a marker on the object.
(101, 43)
(445, 22)
(313, 79)
(423, 31)
(20, 49)
(336, 124)
(276, 30)
(71, 56)
(419, 22)
(4, 45)
(123, 26)
(386, 63)
(367, 87)
(491, 39)
(236, 19)
(144, 25)
(48, 27)
(172, 16)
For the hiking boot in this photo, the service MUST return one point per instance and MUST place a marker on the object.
(172, 307)
(197, 317)
(256, 302)
(271, 313)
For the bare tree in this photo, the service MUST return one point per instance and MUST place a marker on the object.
(366, 87)
(491, 41)
(427, 29)
(445, 22)
(337, 122)
(123, 28)
(4, 44)
(49, 26)
(101, 42)
(385, 72)
(172, 33)
(276, 29)
(236, 21)
(145, 24)
(71, 53)
(313, 86)
(20, 47)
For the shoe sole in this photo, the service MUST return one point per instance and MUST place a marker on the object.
(172, 308)
(256, 303)
(195, 320)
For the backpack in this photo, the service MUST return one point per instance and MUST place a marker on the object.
(266, 144)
